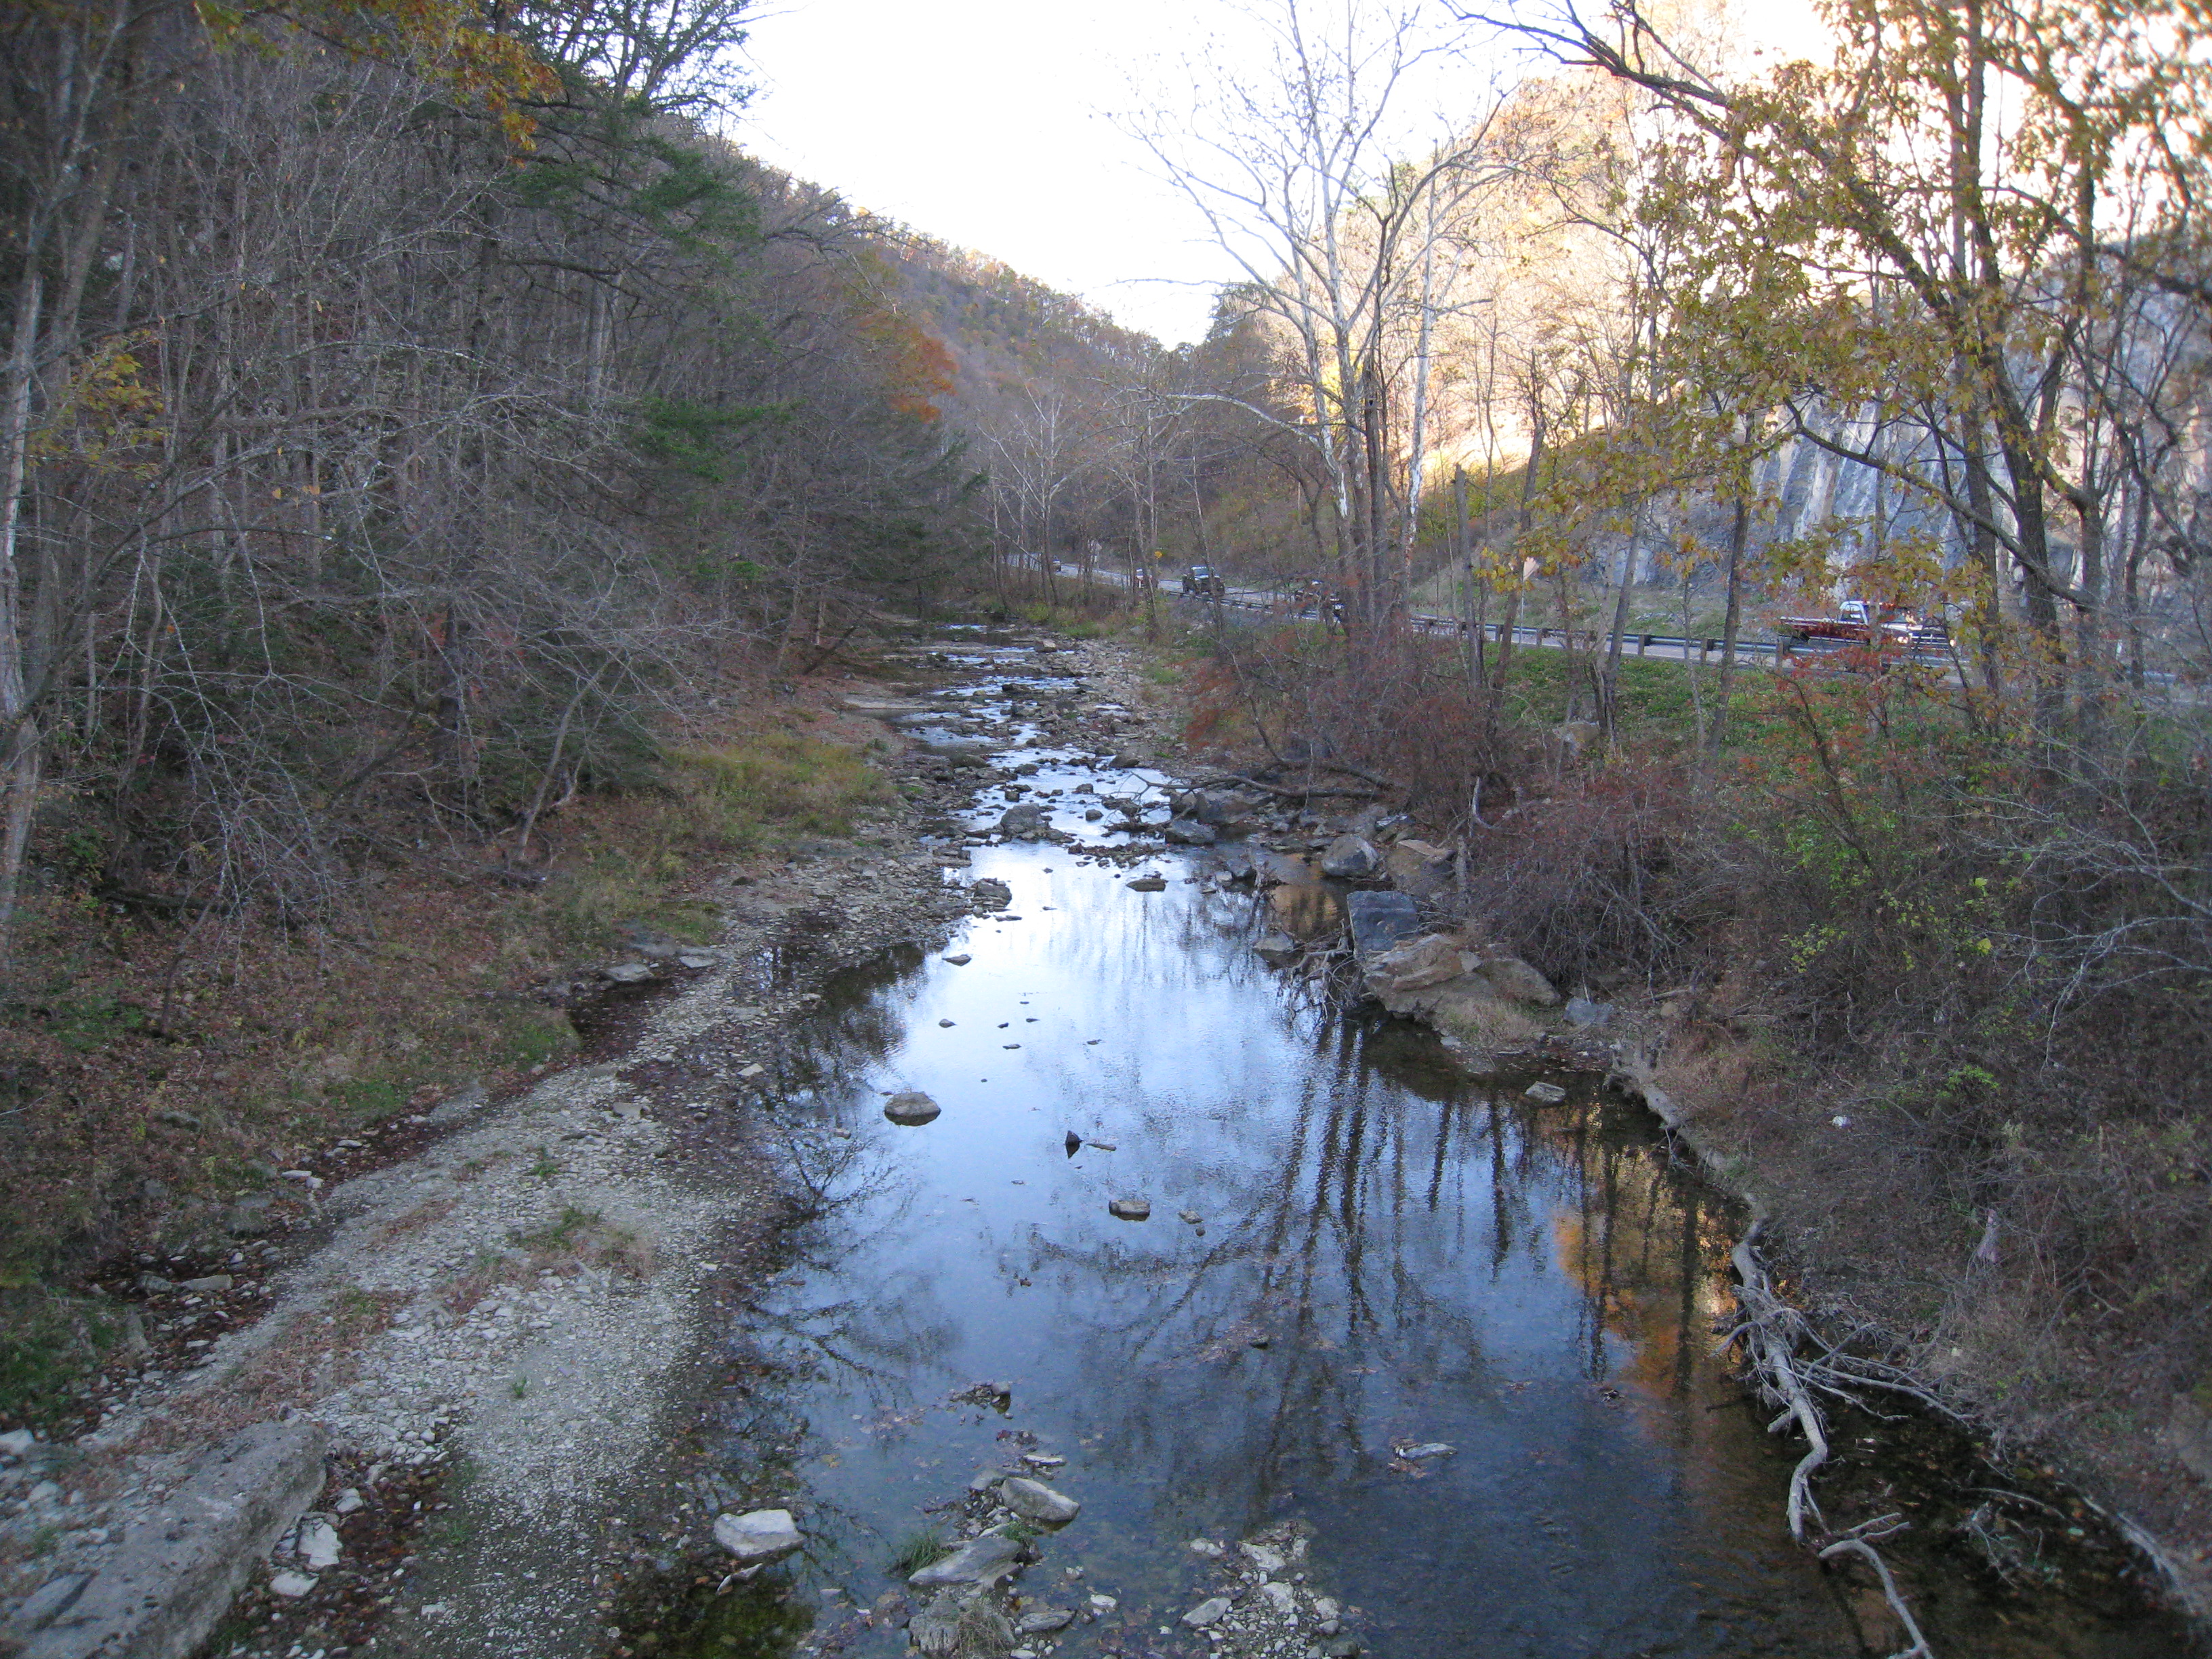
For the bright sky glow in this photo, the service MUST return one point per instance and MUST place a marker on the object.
(988, 124)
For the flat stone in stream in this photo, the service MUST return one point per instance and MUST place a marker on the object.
(1130, 1209)
(1149, 885)
(912, 1107)
(1545, 1094)
(1209, 1612)
(979, 1561)
(1035, 1501)
(760, 1536)
(1043, 1621)
(959, 961)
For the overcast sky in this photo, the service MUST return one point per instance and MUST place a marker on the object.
(986, 123)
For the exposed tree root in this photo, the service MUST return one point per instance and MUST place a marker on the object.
(1770, 1331)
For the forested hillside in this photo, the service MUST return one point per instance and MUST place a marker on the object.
(394, 396)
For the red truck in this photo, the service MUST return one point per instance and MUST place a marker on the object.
(1861, 623)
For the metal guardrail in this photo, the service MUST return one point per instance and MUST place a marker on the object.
(1763, 652)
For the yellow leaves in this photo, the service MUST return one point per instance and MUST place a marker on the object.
(102, 409)
(454, 44)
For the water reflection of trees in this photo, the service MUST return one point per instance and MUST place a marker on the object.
(1361, 1222)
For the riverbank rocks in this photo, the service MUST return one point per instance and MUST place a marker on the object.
(1351, 857)
(1130, 1209)
(980, 1560)
(1043, 1621)
(989, 894)
(1418, 869)
(1275, 948)
(1379, 920)
(758, 1536)
(1516, 979)
(1035, 1501)
(1222, 809)
(177, 1571)
(1435, 977)
(1210, 1610)
(911, 1108)
(1415, 964)
(1191, 832)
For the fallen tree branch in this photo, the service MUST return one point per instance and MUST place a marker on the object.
(1859, 1546)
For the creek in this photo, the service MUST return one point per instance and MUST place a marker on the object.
(1388, 1252)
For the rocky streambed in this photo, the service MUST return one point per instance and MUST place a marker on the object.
(1036, 1235)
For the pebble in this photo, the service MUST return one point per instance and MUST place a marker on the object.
(292, 1585)
(960, 961)
(1545, 1094)
(1130, 1209)
(318, 1543)
(1209, 1612)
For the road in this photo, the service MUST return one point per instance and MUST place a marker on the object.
(1754, 652)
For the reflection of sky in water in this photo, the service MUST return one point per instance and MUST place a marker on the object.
(1425, 1258)
(1423, 1264)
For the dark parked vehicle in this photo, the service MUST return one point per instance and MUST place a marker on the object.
(1204, 581)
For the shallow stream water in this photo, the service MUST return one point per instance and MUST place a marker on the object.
(1388, 1251)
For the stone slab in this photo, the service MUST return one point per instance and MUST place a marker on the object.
(175, 1575)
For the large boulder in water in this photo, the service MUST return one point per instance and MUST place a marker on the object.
(1379, 920)
(1030, 821)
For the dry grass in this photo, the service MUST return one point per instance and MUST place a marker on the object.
(152, 1067)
